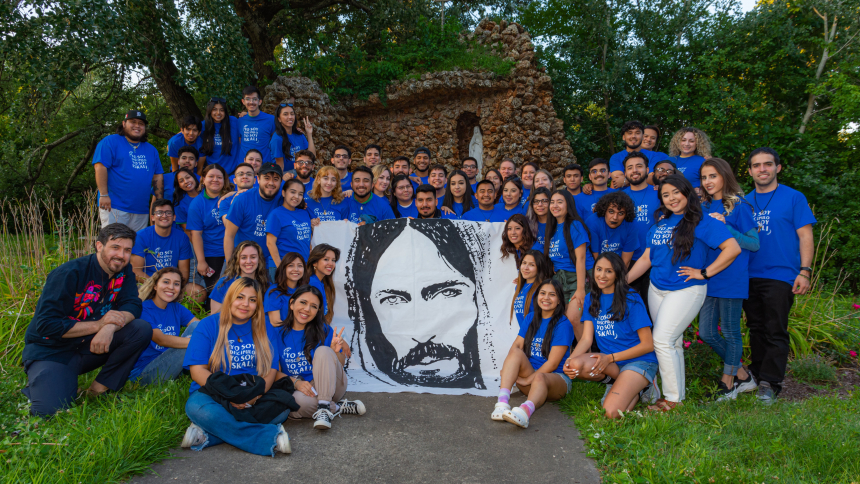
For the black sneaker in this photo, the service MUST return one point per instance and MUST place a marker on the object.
(347, 407)
(322, 418)
(747, 385)
(723, 392)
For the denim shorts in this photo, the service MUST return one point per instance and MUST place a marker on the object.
(567, 380)
(648, 369)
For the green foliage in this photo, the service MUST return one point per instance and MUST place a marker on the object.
(431, 48)
(812, 369)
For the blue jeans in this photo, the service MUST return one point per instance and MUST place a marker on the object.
(168, 365)
(726, 313)
(220, 426)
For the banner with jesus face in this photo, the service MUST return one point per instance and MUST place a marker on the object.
(426, 304)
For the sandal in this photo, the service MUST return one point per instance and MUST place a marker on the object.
(663, 405)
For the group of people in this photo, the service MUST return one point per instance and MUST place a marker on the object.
(611, 272)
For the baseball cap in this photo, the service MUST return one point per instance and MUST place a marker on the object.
(422, 149)
(271, 168)
(135, 114)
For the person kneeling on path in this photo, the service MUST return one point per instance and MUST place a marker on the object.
(236, 342)
(536, 358)
(616, 318)
(162, 360)
(87, 317)
(312, 355)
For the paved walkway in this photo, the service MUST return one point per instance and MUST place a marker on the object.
(403, 437)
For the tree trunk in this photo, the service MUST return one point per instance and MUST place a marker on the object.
(256, 16)
(178, 99)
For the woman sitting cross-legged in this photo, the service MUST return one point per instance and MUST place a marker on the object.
(310, 353)
(162, 359)
(536, 358)
(237, 341)
(616, 318)
(289, 275)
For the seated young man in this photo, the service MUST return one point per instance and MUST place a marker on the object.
(188, 135)
(163, 244)
(87, 317)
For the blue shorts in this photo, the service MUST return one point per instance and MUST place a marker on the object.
(648, 369)
(567, 380)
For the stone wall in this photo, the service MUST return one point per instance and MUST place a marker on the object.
(441, 109)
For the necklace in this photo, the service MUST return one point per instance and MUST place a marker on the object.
(755, 199)
(239, 336)
(132, 145)
(641, 199)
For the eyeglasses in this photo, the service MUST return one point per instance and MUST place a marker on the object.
(285, 105)
(305, 162)
(542, 201)
(163, 213)
(668, 171)
(217, 100)
(470, 167)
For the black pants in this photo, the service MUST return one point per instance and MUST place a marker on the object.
(216, 263)
(52, 386)
(767, 312)
(641, 285)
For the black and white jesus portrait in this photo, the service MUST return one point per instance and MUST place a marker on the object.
(416, 298)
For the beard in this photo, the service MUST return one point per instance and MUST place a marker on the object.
(638, 182)
(132, 137)
(631, 146)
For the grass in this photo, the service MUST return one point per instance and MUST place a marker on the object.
(812, 369)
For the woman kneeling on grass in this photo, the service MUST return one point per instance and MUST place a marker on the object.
(162, 359)
(235, 341)
(616, 318)
(536, 358)
(312, 355)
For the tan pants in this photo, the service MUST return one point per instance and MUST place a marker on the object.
(329, 382)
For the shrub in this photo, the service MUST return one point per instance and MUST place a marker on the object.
(812, 368)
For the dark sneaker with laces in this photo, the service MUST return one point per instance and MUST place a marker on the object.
(747, 385)
(725, 393)
(322, 418)
(346, 407)
(765, 393)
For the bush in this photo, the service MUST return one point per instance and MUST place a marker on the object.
(812, 369)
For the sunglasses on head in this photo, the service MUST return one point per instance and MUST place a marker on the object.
(217, 100)
(285, 105)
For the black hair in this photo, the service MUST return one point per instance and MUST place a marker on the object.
(530, 213)
(178, 193)
(571, 216)
(292, 181)
(398, 158)
(395, 206)
(120, 130)
(160, 202)
(281, 278)
(674, 166)
(378, 148)
(317, 254)
(517, 183)
(188, 149)
(544, 271)
(659, 134)
(632, 125)
(598, 161)
(448, 200)
(251, 90)
(342, 147)
(428, 188)
(362, 169)
(191, 121)
(621, 200)
(764, 150)
(632, 155)
(483, 182)
(684, 234)
(208, 144)
(622, 289)
(438, 167)
(537, 320)
(114, 231)
(529, 238)
(572, 167)
(531, 164)
(240, 165)
(464, 160)
(253, 150)
(310, 154)
(315, 330)
(286, 145)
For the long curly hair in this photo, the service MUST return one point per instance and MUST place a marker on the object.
(261, 275)
(703, 143)
(508, 247)
(621, 200)
(147, 289)
(684, 234)
(732, 193)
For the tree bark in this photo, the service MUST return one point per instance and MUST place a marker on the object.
(178, 99)
(257, 15)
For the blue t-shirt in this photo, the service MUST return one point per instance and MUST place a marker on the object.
(169, 320)
(623, 238)
(646, 202)
(373, 210)
(327, 211)
(525, 198)
(558, 253)
(779, 218)
(298, 142)
(243, 355)
(710, 233)
(248, 211)
(181, 209)
(562, 335)
(308, 186)
(220, 289)
(130, 172)
(293, 230)
(585, 203)
(256, 133)
(616, 336)
(478, 215)
(275, 300)
(290, 348)
(616, 161)
(690, 168)
(501, 214)
(733, 281)
(540, 237)
(159, 252)
(520, 304)
(169, 179)
(227, 161)
(178, 141)
(410, 211)
(317, 283)
(205, 215)
(346, 182)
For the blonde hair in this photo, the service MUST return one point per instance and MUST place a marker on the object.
(316, 190)
(377, 172)
(258, 329)
(551, 186)
(703, 143)
(732, 193)
(147, 289)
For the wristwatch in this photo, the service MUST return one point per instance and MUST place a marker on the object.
(705, 273)
(806, 269)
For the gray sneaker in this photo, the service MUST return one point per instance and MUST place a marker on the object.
(765, 393)
(606, 393)
(650, 394)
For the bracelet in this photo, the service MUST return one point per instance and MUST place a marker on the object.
(613, 357)
(804, 276)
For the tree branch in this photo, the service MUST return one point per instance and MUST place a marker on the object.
(80, 166)
(50, 146)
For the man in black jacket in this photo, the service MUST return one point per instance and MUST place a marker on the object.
(86, 318)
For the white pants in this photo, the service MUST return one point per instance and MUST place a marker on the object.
(134, 221)
(672, 312)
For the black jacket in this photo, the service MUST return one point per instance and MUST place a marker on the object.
(226, 389)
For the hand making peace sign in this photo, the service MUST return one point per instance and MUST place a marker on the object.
(338, 344)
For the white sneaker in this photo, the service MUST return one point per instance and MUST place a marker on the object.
(322, 419)
(500, 409)
(347, 407)
(516, 416)
(747, 385)
(282, 444)
(194, 435)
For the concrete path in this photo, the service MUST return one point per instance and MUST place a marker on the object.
(403, 437)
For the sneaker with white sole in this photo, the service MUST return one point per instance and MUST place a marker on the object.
(765, 394)
(500, 409)
(322, 418)
(747, 385)
(724, 393)
(516, 416)
(194, 435)
(606, 393)
(282, 444)
(347, 407)
(650, 394)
